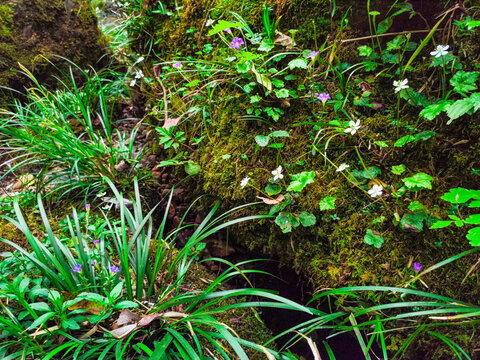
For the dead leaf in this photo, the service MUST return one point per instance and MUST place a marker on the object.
(126, 317)
(170, 122)
(276, 201)
(120, 333)
(147, 319)
(282, 39)
(92, 307)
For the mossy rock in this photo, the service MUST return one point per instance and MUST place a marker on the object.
(37, 33)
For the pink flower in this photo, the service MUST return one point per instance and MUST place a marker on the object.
(323, 97)
(177, 65)
(312, 54)
(236, 43)
(417, 267)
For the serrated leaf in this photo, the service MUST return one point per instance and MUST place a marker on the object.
(464, 82)
(441, 224)
(286, 221)
(457, 195)
(415, 206)
(364, 50)
(192, 168)
(432, 111)
(299, 181)
(413, 221)
(474, 236)
(297, 63)
(327, 203)
(282, 93)
(373, 238)
(473, 219)
(398, 169)
(307, 219)
(262, 140)
(418, 181)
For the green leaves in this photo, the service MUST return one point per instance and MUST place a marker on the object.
(460, 195)
(327, 203)
(307, 219)
(223, 25)
(273, 189)
(287, 221)
(418, 181)
(262, 140)
(373, 238)
(474, 236)
(297, 64)
(398, 169)
(464, 82)
(299, 181)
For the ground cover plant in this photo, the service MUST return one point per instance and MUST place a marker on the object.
(351, 130)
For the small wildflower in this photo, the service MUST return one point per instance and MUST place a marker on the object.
(77, 268)
(236, 43)
(342, 167)
(73, 216)
(140, 59)
(228, 30)
(400, 85)
(114, 269)
(312, 54)
(417, 267)
(9, 163)
(277, 173)
(354, 126)
(440, 50)
(376, 190)
(323, 97)
(94, 262)
(96, 242)
(177, 65)
(87, 207)
(139, 74)
(244, 181)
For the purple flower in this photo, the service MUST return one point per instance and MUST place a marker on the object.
(114, 269)
(236, 43)
(87, 207)
(177, 65)
(9, 162)
(94, 262)
(96, 242)
(73, 216)
(312, 54)
(323, 97)
(228, 30)
(417, 267)
(77, 268)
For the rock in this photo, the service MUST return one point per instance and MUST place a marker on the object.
(36, 32)
(24, 181)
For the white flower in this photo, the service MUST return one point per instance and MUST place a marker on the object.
(139, 74)
(140, 59)
(133, 82)
(440, 51)
(342, 167)
(376, 190)
(354, 126)
(277, 173)
(244, 181)
(399, 85)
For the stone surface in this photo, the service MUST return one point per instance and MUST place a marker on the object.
(36, 32)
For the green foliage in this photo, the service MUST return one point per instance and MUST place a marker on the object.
(373, 238)
(300, 180)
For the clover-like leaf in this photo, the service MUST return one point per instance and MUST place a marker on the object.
(418, 181)
(300, 180)
(373, 238)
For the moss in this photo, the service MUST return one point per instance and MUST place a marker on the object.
(36, 33)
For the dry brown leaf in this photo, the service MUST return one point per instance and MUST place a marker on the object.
(126, 317)
(147, 319)
(276, 201)
(92, 307)
(120, 333)
(171, 122)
